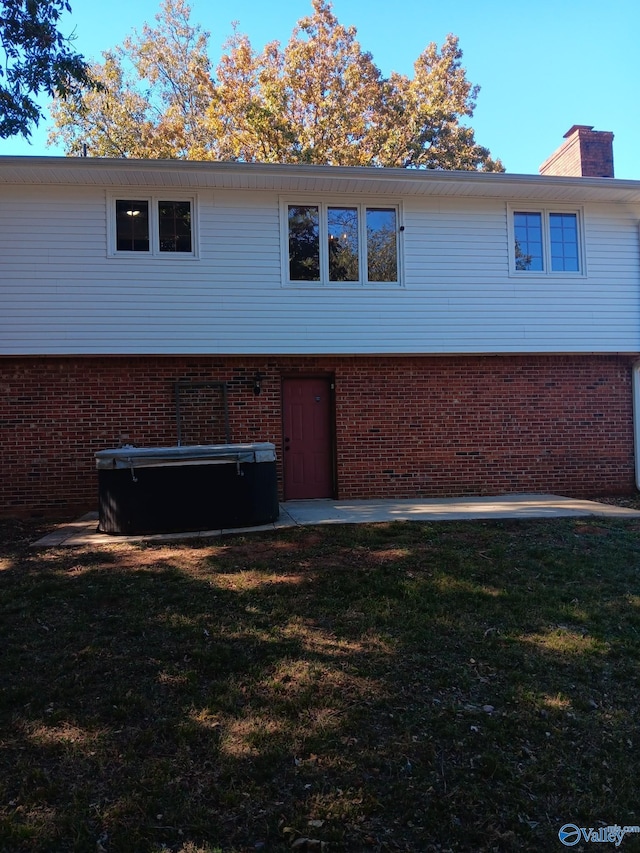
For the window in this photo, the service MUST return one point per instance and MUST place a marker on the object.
(563, 232)
(341, 244)
(174, 224)
(546, 241)
(132, 226)
(152, 226)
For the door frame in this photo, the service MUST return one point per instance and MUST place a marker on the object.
(330, 379)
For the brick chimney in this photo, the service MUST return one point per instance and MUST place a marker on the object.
(587, 153)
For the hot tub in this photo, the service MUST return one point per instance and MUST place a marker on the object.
(174, 489)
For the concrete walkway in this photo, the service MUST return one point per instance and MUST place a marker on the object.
(295, 513)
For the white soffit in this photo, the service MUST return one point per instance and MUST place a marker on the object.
(191, 175)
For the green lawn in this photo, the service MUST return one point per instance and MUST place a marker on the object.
(388, 687)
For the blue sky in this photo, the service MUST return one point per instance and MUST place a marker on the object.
(542, 66)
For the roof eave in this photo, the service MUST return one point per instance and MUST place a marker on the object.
(311, 178)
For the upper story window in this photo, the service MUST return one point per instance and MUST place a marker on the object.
(152, 226)
(342, 244)
(132, 226)
(546, 241)
(174, 226)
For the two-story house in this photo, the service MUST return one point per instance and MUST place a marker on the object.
(396, 333)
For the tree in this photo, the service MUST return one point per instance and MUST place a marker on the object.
(172, 59)
(423, 115)
(37, 58)
(320, 99)
(165, 117)
(112, 114)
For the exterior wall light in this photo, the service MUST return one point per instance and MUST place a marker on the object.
(257, 383)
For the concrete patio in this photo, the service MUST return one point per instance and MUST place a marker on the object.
(297, 513)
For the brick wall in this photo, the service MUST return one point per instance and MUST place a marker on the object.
(405, 427)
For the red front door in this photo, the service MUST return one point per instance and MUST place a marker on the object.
(308, 445)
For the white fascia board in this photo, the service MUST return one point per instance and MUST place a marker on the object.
(189, 175)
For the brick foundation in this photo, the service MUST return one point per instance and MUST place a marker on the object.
(405, 427)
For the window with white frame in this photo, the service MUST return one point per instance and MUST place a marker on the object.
(546, 241)
(341, 243)
(152, 225)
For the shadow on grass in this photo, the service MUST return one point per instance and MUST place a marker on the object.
(383, 687)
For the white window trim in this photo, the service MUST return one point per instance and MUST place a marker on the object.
(154, 232)
(545, 210)
(323, 203)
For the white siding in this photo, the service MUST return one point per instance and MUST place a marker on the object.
(61, 293)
